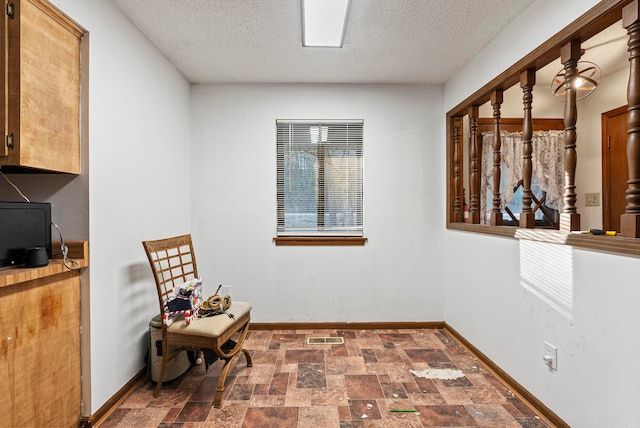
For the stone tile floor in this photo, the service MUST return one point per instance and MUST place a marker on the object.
(293, 384)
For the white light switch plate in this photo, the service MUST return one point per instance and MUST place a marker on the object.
(550, 356)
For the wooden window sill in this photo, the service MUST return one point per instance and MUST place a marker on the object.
(319, 240)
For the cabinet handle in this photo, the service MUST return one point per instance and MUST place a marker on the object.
(9, 10)
(10, 141)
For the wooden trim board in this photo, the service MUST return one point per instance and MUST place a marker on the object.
(112, 404)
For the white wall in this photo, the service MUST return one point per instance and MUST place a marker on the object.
(487, 304)
(396, 276)
(139, 186)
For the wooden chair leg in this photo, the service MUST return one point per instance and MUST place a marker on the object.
(228, 358)
(165, 351)
(217, 402)
(248, 357)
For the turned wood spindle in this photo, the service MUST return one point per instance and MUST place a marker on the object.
(570, 54)
(527, 81)
(457, 186)
(474, 206)
(630, 220)
(496, 213)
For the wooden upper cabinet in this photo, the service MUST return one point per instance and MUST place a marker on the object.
(41, 86)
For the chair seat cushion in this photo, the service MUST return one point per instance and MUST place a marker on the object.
(211, 326)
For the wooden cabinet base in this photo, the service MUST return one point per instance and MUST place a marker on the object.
(40, 348)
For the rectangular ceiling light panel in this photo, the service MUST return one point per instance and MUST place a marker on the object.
(324, 22)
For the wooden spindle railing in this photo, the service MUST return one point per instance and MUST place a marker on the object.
(527, 81)
(474, 176)
(457, 167)
(569, 55)
(496, 214)
(630, 220)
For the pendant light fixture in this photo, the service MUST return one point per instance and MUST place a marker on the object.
(586, 81)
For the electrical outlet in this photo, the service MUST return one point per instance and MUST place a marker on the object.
(592, 199)
(550, 356)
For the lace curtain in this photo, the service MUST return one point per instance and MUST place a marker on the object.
(548, 167)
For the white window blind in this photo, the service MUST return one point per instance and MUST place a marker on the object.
(319, 177)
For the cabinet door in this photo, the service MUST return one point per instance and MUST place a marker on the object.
(43, 110)
(40, 352)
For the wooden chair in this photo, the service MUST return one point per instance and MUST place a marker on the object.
(173, 263)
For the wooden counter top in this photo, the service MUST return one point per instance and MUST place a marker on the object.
(78, 251)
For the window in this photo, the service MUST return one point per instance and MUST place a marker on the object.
(547, 178)
(545, 216)
(319, 177)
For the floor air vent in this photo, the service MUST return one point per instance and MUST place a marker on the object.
(325, 340)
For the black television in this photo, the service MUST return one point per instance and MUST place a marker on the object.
(23, 225)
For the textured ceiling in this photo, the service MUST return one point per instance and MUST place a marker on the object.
(387, 41)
